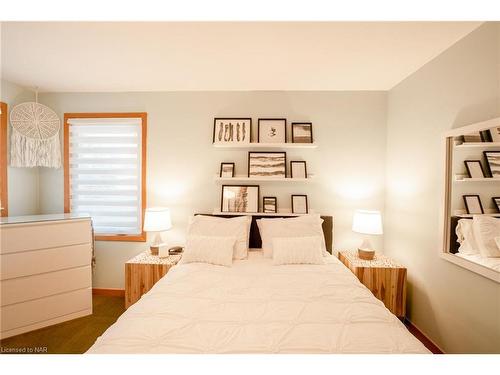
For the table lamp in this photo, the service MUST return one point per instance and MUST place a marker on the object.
(367, 222)
(157, 220)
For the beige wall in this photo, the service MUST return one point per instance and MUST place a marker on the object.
(456, 308)
(349, 163)
(22, 182)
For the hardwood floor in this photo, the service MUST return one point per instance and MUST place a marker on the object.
(72, 337)
(78, 335)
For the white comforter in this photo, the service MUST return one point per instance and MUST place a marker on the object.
(255, 307)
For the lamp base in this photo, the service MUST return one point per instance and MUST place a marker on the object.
(366, 254)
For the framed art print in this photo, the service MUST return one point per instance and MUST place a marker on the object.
(226, 170)
(270, 205)
(474, 168)
(240, 198)
(473, 204)
(232, 130)
(495, 135)
(472, 137)
(267, 164)
(271, 130)
(298, 169)
(496, 202)
(302, 132)
(493, 162)
(299, 204)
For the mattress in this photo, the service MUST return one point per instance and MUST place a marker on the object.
(493, 263)
(255, 307)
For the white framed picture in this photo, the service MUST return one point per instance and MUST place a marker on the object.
(271, 130)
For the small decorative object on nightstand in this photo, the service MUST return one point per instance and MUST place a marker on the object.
(385, 278)
(157, 220)
(367, 222)
(142, 272)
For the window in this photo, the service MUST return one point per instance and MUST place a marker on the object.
(3, 160)
(104, 172)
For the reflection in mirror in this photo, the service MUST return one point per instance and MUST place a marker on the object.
(472, 198)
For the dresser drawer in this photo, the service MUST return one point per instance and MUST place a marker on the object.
(31, 312)
(41, 261)
(46, 284)
(43, 235)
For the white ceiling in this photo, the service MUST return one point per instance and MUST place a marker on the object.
(168, 56)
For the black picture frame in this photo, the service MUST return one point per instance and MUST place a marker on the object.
(496, 202)
(491, 172)
(236, 119)
(274, 199)
(467, 205)
(295, 124)
(271, 119)
(264, 152)
(467, 162)
(236, 186)
(302, 196)
(495, 134)
(292, 162)
(222, 166)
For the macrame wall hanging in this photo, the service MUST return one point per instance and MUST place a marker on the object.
(35, 136)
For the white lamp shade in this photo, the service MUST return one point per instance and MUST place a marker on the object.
(367, 222)
(157, 219)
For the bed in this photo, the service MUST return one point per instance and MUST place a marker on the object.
(257, 307)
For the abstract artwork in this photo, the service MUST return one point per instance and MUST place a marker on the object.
(240, 198)
(271, 130)
(267, 164)
(269, 205)
(227, 170)
(493, 159)
(232, 130)
(302, 132)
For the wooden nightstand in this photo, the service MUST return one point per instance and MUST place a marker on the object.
(384, 277)
(142, 272)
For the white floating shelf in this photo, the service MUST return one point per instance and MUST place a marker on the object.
(462, 178)
(260, 146)
(285, 213)
(478, 144)
(262, 179)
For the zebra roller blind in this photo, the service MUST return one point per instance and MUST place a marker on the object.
(105, 173)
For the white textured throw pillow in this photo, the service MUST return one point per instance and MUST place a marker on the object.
(297, 250)
(302, 226)
(213, 250)
(238, 227)
(486, 228)
(465, 236)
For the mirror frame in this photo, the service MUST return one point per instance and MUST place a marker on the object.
(445, 215)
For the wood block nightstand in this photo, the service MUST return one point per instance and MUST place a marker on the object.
(142, 272)
(384, 277)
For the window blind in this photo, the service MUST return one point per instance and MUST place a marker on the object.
(105, 173)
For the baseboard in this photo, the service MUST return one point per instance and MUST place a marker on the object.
(423, 338)
(108, 292)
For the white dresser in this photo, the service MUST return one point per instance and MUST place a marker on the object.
(45, 271)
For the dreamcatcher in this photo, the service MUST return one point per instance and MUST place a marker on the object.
(35, 136)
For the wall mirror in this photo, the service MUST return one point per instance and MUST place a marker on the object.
(471, 215)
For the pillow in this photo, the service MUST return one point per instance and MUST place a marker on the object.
(238, 227)
(486, 228)
(297, 250)
(209, 249)
(302, 226)
(465, 237)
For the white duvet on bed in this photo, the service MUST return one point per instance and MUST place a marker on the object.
(255, 307)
